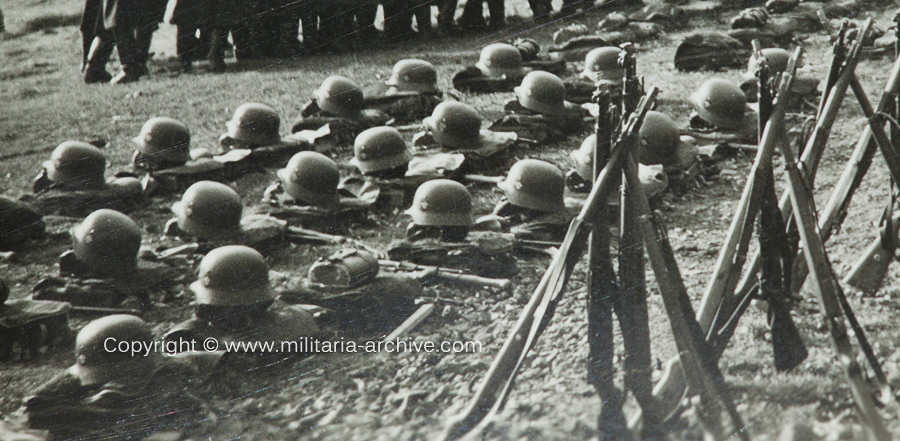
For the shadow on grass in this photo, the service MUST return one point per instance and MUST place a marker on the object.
(47, 23)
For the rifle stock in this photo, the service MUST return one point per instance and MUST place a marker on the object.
(868, 272)
(498, 380)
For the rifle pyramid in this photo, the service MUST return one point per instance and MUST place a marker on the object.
(697, 358)
(782, 267)
(724, 302)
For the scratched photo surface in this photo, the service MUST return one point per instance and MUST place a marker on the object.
(449, 219)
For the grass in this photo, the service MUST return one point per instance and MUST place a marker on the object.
(45, 103)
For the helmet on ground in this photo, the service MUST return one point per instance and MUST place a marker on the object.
(583, 158)
(500, 59)
(77, 166)
(413, 75)
(107, 242)
(233, 275)
(340, 96)
(99, 359)
(312, 178)
(542, 92)
(659, 139)
(602, 63)
(454, 124)
(442, 203)
(535, 184)
(162, 140)
(721, 103)
(776, 57)
(208, 210)
(255, 125)
(378, 149)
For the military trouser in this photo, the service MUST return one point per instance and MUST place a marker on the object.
(398, 16)
(309, 17)
(446, 13)
(344, 19)
(540, 9)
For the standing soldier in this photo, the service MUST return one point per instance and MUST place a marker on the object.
(125, 24)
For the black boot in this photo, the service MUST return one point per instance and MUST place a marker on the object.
(129, 56)
(98, 56)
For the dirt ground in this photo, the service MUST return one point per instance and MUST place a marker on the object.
(410, 396)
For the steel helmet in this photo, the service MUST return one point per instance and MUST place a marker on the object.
(233, 275)
(583, 158)
(255, 125)
(107, 242)
(776, 57)
(535, 184)
(413, 75)
(378, 149)
(602, 63)
(500, 59)
(209, 210)
(659, 139)
(454, 124)
(311, 178)
(161, 140)
(442, 203)
(77, 166)
(721, 103)
(340, 96)
(98, 357)
(542, 92)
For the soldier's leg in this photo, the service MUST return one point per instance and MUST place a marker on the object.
(497, 11)
(473, 15)
(129, 55)
(143, 36)
(395, 12)
(446, 14)
(365, 21)
(240, 23)
(309, 19)
(289, 28)
(98, 55)
(423, 18)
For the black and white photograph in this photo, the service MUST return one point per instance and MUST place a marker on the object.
(450, 220)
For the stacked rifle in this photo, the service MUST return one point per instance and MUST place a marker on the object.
(698, 360)
(791, 236)
(798, 249)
